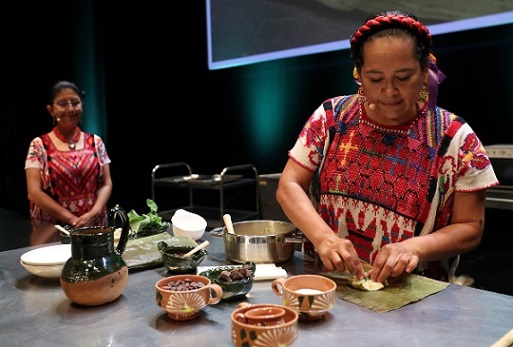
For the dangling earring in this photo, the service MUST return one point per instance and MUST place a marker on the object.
(363, 98)
(424, 92)
(356, 75)
(424, 95)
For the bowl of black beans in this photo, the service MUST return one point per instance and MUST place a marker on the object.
(184, 296)
(236, 281)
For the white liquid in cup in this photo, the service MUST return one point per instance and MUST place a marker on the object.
(308, 291)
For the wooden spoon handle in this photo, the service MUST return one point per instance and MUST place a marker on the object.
(228, 222)
(62, 229)
(197, 248)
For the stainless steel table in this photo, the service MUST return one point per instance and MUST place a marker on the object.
(35, 311)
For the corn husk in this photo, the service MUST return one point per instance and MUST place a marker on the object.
(366, 284)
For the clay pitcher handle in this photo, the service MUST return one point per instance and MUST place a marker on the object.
(115, 212)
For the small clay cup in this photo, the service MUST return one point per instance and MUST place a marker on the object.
(283, 333)
(263, 316)
(312, 296)
(184, 296)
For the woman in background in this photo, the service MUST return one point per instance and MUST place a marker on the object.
(395, 180)
(67, 170)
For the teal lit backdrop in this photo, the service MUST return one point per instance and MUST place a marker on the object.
(89, 69)
(265, 107)
(277, 97)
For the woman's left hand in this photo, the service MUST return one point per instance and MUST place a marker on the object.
(393, 260)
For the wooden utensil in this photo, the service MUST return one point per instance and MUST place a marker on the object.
(197, 248)
(228, 222)
(62, 229)
(504, 341)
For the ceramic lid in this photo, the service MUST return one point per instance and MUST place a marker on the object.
(49, 255)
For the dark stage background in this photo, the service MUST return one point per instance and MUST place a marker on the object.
(158, 102)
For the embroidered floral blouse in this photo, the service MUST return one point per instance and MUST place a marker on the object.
(379, 185)
(72, 178)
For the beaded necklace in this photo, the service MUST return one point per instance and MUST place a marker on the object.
(71, 142)
(400, 130)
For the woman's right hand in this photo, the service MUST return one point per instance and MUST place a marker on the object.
(335, 253)
(340, 255)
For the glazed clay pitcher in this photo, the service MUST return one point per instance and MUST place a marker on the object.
(96, 273)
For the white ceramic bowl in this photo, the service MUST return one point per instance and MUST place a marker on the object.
(189, 224)
(46, 261)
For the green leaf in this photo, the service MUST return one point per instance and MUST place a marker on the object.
(151, 220)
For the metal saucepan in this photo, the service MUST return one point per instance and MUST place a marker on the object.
(260, 241)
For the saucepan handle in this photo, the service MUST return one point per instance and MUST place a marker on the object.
(296, 237)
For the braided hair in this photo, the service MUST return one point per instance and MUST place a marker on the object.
(396, 24)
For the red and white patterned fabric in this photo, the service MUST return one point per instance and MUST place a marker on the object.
(376, 185)
(72, 177)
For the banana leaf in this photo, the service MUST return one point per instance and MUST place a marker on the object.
(143, 252)
(397, 293)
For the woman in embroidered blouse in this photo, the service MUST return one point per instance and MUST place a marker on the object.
(385, 176)
(67, 170)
